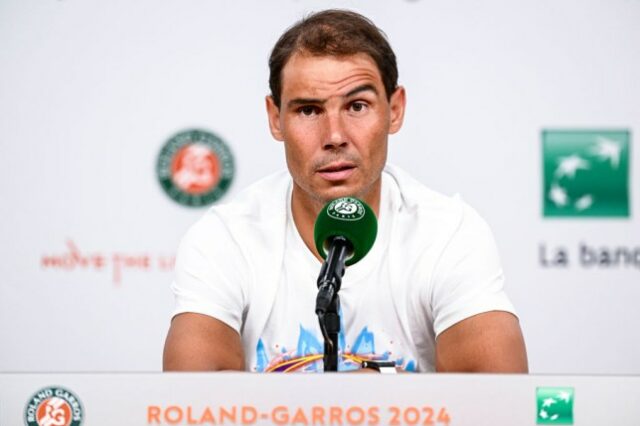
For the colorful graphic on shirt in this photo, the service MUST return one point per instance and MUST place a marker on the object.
(555, 406)
(195, 168)
(586, 173)
(307, 356)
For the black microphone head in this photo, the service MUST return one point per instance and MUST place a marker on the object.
(346, 217)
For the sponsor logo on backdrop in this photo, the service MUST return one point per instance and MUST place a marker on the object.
(555, 406)
(54, 406)
(195, 168)
(586, 173)
(117, 263)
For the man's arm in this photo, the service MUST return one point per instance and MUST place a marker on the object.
(490, 342)
(202, 343)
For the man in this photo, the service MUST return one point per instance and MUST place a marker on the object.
(428, 297)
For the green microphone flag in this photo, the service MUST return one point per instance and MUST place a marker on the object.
(350, 218)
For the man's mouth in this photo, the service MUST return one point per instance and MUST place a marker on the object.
(337, 171)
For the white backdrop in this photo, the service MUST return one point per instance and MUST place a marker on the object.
(91, 90)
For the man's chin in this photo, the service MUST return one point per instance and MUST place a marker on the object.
(368, 193)
(339, 191)
(323, 192)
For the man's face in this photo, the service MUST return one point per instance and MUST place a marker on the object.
(335, 119)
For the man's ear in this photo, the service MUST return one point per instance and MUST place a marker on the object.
(273, 113)
(397, 104)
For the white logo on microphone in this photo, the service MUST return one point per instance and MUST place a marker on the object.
(346, 208)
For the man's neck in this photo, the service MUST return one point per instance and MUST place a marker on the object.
(305, 210)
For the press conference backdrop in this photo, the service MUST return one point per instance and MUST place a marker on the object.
(528, 109)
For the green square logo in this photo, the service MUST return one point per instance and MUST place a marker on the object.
(586, 173)
(555, 406)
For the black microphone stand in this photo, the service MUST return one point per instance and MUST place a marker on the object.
(328, 302)
(332, 325)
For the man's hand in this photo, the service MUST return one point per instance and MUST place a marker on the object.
(201, 343)
(490, 342)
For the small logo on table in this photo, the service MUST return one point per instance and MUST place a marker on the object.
(555, 406)
(54, 406)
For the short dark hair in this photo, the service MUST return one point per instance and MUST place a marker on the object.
(333, 32)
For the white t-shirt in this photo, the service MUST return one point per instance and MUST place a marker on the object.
(434, 263)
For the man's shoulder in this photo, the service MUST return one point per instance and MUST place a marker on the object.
(261, 197)
(427, 215)
(415, 199)
(255, 212)
(264, 198)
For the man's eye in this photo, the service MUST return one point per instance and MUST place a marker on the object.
(358, 106)
(308, 110)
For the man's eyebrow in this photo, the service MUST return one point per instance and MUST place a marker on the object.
(305, 101)
(316, 101)
(362, 88)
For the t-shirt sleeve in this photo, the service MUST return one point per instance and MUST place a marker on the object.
(210, 273)
(468, 278)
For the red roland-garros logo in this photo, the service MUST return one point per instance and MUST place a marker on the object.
(54, 406)
(195, 168)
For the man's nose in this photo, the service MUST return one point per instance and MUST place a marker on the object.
(336, 136)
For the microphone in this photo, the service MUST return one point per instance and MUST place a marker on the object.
(344, 232)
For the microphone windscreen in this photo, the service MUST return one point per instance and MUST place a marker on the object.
(347, 217)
